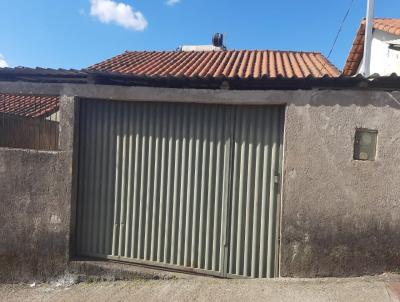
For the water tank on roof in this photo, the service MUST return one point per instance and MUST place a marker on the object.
(218, 40)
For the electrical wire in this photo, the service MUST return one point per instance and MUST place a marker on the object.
(338, 33)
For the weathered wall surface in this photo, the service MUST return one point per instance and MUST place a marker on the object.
(340, 217)
(35, 201)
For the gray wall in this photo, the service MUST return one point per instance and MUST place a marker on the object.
(340, 216)
(35, 207)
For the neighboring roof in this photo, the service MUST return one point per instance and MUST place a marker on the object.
(230, 64)
(29, 105)
(391, 26)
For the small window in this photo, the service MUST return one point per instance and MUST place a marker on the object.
(365, 144)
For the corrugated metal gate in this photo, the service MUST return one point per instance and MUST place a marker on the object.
(184, 186)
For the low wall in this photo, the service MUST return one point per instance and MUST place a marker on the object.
(340, 217)
(35, 207)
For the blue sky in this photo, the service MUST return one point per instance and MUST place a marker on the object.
(79, 33)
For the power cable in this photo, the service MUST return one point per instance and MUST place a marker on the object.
(338, 33)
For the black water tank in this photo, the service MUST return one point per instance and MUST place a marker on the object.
(218, 40)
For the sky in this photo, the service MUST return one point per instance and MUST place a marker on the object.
(79, 33)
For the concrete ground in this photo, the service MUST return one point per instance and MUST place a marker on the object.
(380, 288)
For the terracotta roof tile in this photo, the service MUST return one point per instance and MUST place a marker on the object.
(29, 105)
(391, 26)
(229, 64)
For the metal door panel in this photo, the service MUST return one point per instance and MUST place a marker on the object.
(184, 186)
(153, 181)
(255, 175)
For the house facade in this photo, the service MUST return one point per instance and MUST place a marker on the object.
(227, 163)
(385, 49)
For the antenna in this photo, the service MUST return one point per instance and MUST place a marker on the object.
(368, 38)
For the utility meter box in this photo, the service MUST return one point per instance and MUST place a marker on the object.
(365, 144)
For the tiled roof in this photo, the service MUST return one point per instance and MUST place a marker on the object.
(391, 26)
(221, 64)
(29, 105)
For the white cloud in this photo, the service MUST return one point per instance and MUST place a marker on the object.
(3, 62)
(108, 11)
(172, 2)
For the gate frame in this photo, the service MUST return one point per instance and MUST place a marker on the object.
(227, 192)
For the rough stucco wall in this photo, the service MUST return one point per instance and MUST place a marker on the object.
(35, 200)
(340, 216)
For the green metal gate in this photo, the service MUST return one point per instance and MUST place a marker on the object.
(183, 186)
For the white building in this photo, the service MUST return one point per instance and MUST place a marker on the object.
(385, 49)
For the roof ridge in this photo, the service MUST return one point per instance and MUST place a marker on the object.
(228, 50)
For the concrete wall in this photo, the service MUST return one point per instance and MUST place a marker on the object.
(35, 207)
(340, 217)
